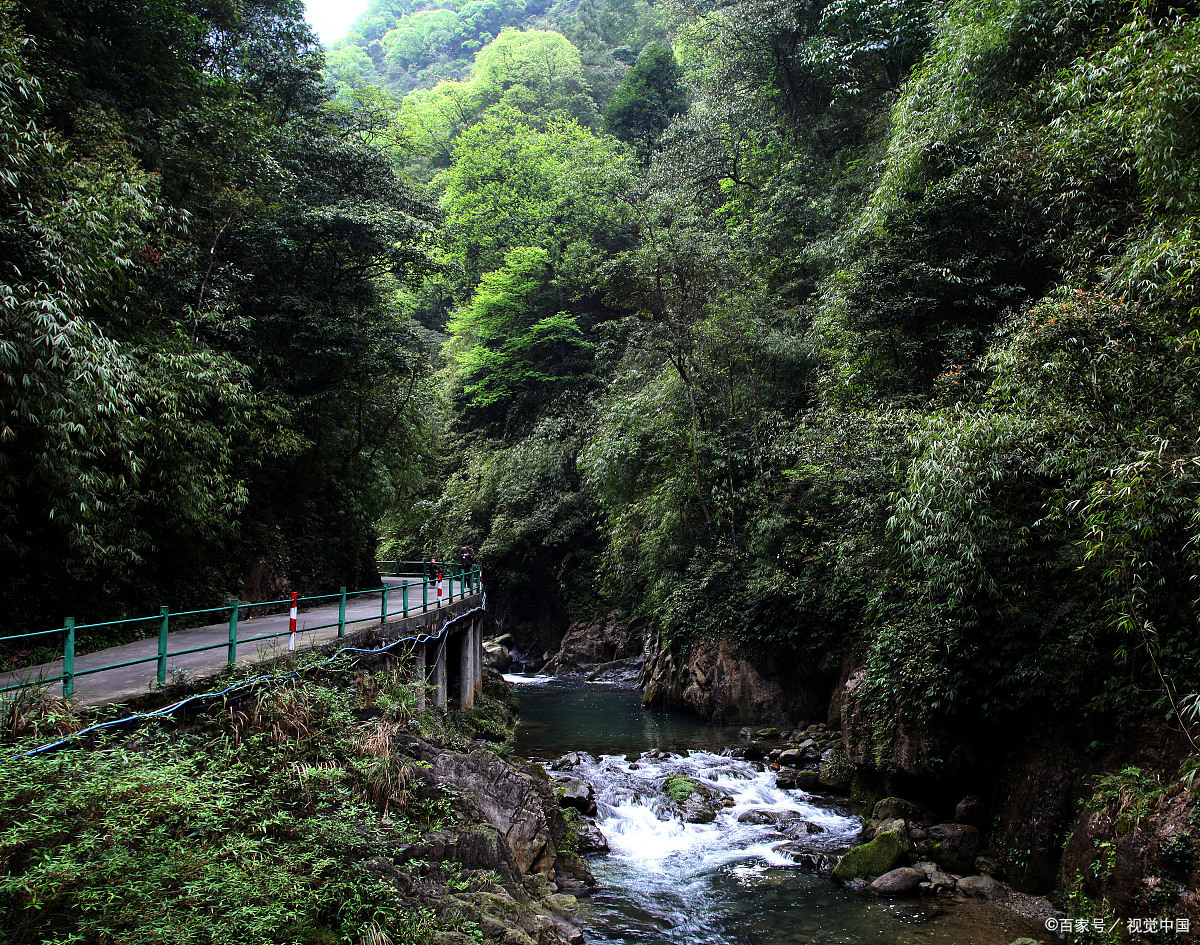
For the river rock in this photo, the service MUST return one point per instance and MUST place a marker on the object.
(936, 880)
(983, 887)
(578, 795)
(591, 837)
(954, 846)
(571, 759)
(895, 808)
(497, 656)
(760, 817)
(807, 858)
(969, 811)
(898, 826)
(905, 881)
(520, 806)
(795, 778)
(805, 828)
(873, 858)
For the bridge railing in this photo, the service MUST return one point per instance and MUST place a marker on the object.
(469, 581)
(398, 567)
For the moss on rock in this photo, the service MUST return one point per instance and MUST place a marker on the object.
(679, 787)
(873, 858)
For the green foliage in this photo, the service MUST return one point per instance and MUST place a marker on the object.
(556, 189)
(649, 97)
(201, 368)
(259, 828)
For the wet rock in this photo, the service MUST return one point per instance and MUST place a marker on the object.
(578, 795)
(886, 826)
(697, 802)
(571, 759)
(497, 656)
(591, 837)
(794, 778)
(954, 846)
(969, 811)
(989, 866)
(937, 881)
(982, 887)
(905, 881)
(767, 733)
(760, 817)
(807, 858)
(754, 751)
(895, 808)
(873, 858)
(805, 828)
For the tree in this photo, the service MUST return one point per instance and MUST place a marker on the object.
(650, 95)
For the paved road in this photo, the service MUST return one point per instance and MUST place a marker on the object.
(117, 685)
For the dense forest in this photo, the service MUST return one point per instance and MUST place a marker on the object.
(860, 333)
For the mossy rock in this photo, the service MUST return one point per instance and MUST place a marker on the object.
(893, 808)
(767, 733)
(679, 787)
(873, 858)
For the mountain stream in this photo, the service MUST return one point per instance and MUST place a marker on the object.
(746, 878)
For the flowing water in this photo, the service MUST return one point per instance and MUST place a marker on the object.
(736, 880)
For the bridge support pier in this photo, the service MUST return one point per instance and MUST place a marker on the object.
(467, 663)
(420, 675)
(477, 649)
(439, 673)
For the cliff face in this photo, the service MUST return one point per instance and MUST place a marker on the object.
(722, 681)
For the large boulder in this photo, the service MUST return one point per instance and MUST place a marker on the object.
(521, 806)
(905, 881)
(983, 887)
(803, 779)
(873, 858)
(497, 656)
(600, 640)
(954, 846)
(893, 808)
(577, 794)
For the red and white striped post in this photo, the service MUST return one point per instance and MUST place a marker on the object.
(439, 587)
(292, 623)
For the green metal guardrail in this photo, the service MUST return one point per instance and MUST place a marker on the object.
(469, 583)
(398, 567)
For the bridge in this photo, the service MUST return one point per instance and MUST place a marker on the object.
(436, 625)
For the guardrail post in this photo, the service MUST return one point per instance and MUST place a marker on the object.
(164, 612)
(383, 607)
(231, 656)
(450, 587)
(69, 660)
(425, 595)
(404, 595)
(342, 615)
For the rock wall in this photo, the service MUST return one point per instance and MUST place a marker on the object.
(724, 682)
(603, 639)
